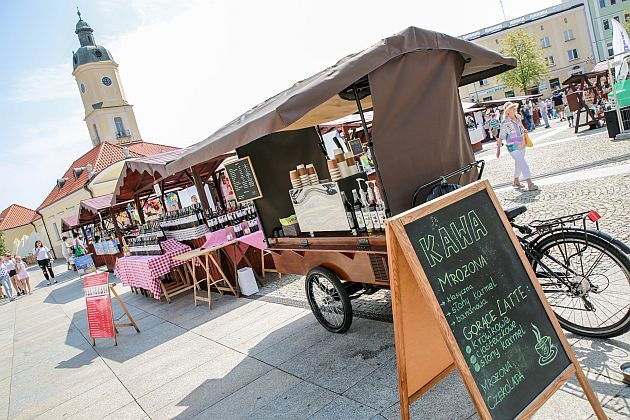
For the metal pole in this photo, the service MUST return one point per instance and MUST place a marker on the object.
(370, 144)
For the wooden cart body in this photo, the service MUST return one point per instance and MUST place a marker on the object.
(353, 258)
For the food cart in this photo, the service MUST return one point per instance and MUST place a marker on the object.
(411, 81)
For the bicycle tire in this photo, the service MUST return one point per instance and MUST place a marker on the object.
(608, 249)
(334, 293)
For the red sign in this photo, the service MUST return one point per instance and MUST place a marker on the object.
(99, 306)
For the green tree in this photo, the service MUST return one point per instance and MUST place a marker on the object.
(2, 247)
(530, 66)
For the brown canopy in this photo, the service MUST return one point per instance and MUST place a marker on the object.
(88, 209)
(140, 174)
(315, 100)
(69, 222)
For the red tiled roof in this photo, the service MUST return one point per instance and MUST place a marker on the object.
(100, 157)
(149, 149)
(15, 216)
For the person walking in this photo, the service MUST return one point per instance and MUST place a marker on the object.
(527, 117)
(558, 103)
(42, 253)
(77, 247)
(5, 281)
(22, 272)
(542, 107)
(9, 264)
(513, 133)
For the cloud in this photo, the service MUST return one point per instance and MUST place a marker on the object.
(44, 84)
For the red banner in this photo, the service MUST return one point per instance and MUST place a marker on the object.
(98, 305)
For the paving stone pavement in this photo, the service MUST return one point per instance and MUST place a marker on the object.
(248, 358)
(559, 152)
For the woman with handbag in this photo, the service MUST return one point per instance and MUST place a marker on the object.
(514, 135)
(77, 247)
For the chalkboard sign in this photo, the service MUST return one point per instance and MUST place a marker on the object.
(493, 317)
(243, 179)
(356, 147)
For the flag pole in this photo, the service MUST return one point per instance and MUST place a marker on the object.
(611, 82)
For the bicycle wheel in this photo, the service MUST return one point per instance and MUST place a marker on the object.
(587, 282)
(328, 299)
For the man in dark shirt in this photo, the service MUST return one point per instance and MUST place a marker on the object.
(558, 104)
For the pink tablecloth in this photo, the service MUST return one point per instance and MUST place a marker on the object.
(145, 270)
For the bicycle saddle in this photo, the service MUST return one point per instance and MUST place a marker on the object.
(514, 212)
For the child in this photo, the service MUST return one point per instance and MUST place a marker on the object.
(23, 275)
(5, 281)
(570, 118)
(9, 263)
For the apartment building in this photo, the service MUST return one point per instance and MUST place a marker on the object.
(565, 37)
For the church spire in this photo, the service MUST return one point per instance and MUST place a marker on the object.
(84, 31)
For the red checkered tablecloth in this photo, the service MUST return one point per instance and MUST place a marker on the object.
(145, 270)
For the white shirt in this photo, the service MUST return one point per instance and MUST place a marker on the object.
(10, 265)
(22, 273)
(44, 253)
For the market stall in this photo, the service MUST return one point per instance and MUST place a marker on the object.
(215, 222)
(319, 216)
(103, 232)
(585, 96)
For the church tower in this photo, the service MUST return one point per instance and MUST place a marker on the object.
(108, 115)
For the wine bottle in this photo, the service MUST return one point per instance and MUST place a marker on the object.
(358, 213)
(373, 211)
(349, 214)
(367, 216)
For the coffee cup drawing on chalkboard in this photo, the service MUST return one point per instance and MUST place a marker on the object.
(545, 348)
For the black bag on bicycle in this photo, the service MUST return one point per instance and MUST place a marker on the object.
(440, 190)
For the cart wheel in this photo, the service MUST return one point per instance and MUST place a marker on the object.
(329, 300)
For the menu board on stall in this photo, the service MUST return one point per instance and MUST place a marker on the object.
(492, 315)
(98, 306)
(356, 147)
(243, 179)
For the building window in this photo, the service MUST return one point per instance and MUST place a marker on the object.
(573, 54)
(497, 41)
(97, 138)
(602, 3)
(56, 231)
(613, 2)
(509, 94)
(483, 82)
(549, 61)
(542, 28)
(120, 128)
(566, 20)
(568, 35)
(606, 24)
(106, 81)
(627, 16)
(616, 18)
(554, 83)
(82, 88)
(609, 47)
(544, 42)
(487, 98)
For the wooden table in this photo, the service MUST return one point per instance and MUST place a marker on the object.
(206, 258)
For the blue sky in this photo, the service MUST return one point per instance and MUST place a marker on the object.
(212, 60)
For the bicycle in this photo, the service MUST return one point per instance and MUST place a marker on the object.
(584, 273)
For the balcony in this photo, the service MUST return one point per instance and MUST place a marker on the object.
(123, 134)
